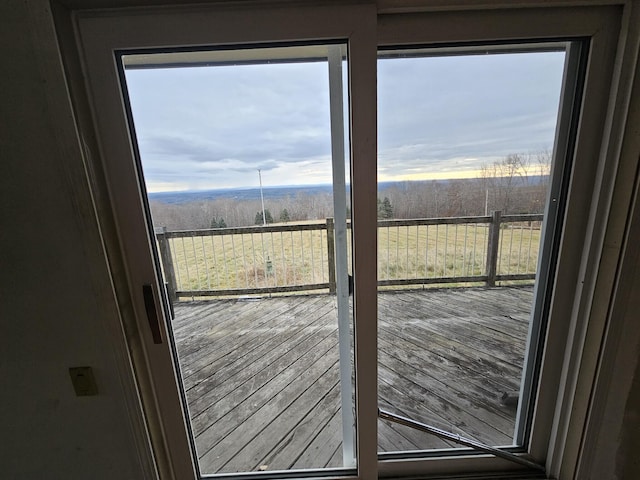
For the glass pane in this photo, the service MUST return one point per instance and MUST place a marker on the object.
(247, 198)
(465, 142)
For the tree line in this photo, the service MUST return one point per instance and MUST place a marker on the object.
(230, 212)
(515, 184)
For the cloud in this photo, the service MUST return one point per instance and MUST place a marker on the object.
(452, 114)
(219, 121)
(211, 127)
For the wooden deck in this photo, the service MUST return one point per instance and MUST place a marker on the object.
(262, 382)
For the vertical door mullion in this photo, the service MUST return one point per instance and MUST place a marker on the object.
(340, 232)
(363, 98)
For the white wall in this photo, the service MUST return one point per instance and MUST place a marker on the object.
(54, 295)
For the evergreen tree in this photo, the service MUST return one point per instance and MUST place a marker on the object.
(284, 216)
(267, 215)
(385, 210)
(218, 223)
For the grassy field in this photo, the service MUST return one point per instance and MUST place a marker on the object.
(273, 259)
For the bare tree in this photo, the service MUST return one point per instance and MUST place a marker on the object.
(542, 162)
(502, 178)
(516, 184)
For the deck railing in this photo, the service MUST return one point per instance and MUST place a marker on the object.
(301, 257)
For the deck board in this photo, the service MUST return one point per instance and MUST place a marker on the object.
(262, 379)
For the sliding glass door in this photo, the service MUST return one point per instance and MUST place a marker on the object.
(305, 294)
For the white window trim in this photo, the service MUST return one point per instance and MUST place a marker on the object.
(566, 400)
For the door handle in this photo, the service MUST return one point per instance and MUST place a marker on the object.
(152, 313)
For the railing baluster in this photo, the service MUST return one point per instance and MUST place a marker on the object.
(195, 259)
(284, 266)
(465, 264)
(244, 262)
(407, 251)
(206, 263)
(264, 258)
(446, 245)
(388, 250)
(224, 260)
(426, 254)
(510, 250)
(274, 269)
(455, 249)
(186, 263)
(520, 251)
(435, 257)
(235, 260)
(475, 243)
(313, 262)
(529, 252)
(379, 253)
(500, 251)
(302, 250)
(397, 262)
(502, 248)
(215, 261)
(323, 258)
(417, 249)
(255, 264)
(293, 257)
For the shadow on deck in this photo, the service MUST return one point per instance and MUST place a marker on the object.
(262, 375)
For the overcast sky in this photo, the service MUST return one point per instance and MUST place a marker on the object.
(442, 117)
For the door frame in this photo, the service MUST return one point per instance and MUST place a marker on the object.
(603, 215)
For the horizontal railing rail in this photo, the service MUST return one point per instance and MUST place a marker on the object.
(301, 257)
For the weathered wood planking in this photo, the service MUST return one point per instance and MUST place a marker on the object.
(261, 375)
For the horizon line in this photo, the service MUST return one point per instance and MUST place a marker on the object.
(312, 185)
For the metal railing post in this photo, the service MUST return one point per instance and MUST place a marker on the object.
(493, 243)
(331, 256)
(167, 262)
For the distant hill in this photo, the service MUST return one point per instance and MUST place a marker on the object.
(281, 192)
(177, 198)
(273, 193)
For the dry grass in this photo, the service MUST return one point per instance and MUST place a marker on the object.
(438, 251)
(300, 257)
(250, 260)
